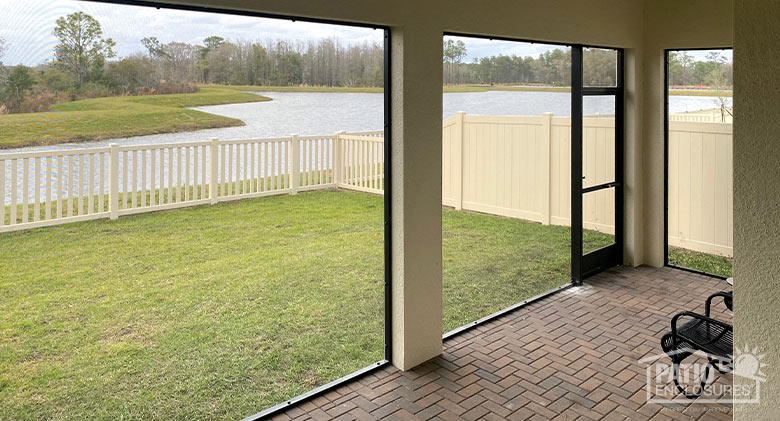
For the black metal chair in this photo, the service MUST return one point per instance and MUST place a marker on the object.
(728, 301)
(692, 332)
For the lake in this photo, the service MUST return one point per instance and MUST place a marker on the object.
(317, 113)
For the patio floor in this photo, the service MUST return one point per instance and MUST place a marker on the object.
(571, 356)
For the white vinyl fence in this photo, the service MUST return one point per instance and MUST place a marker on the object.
(520, 167)
(56, 187)
(515, 166)
(701, 192)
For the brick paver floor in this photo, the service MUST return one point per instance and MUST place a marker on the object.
(570, 356)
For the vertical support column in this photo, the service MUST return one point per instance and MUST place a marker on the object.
(545, 185)
(415, 173)
(214, 171)
(295, 163)
(576, 164)
(338, 159)
(457, 158)
(756, 203)
(113, 177)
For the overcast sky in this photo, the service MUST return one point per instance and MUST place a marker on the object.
(27, 25)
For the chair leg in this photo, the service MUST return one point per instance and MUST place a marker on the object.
(715, 363)
(702, 384)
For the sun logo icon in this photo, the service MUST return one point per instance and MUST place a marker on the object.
(747, 363)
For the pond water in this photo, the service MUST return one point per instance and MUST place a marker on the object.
(318, 113)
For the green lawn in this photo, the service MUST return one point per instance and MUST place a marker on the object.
(112, 117)
(708, 263)
(219, 311)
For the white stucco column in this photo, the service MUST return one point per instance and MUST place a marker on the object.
(416, 195)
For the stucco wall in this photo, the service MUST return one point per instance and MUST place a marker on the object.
(757, 195)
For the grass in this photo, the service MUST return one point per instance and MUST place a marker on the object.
(219, 311)
(701, 92)
(122, 116)
(708, 263)
(207, 312)
(490, 262)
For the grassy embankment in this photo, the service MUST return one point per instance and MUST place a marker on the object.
(122, 116)
(215, 312)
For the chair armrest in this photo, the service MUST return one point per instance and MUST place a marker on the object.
(727, 300)
(677, 316)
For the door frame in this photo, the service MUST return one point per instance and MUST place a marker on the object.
(584, 266)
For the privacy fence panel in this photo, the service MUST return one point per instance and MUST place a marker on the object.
(700, 187)
(520, 167)
(506, 165)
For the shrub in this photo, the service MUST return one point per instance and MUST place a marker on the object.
(94, 90)
(54, 79)
(127, 75)
(41, 102)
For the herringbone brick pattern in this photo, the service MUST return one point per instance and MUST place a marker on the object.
(571, 356)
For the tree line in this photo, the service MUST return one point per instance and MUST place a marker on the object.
(325, 62)
(553, 67)
(716, 71)
(85, 65)
(550, 68)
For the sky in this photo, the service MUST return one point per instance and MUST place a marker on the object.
(27, 25)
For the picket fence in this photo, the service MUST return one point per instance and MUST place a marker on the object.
(51, 187)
